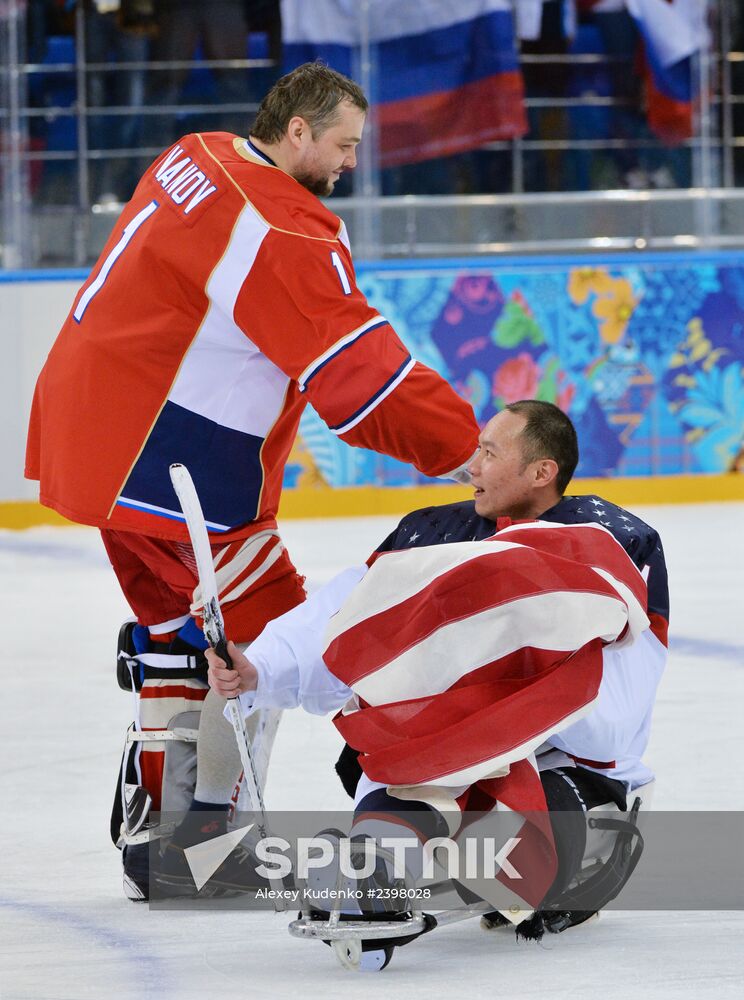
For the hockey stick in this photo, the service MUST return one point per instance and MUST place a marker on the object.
(214, 632)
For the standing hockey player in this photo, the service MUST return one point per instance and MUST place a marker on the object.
(419, 679)
(224, 302)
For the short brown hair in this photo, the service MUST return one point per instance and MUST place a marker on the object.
(548, 433)
(313, 91)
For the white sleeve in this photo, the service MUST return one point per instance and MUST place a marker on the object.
(619, 722)
(287, 654)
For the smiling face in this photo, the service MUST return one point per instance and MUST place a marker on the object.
(319, 161)
(506, 486)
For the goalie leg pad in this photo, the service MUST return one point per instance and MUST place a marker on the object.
(132, 801)
(179, 770)
(167, 679)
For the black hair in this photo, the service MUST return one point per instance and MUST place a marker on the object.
(548, 433)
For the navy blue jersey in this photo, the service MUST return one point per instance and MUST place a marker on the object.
(458, 522)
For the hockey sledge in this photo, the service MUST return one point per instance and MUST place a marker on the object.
(613, 849)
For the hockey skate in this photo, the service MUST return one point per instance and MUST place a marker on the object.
(136, 872)
(236, 876)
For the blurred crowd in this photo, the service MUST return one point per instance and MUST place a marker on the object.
(137, 105)
(144, 104)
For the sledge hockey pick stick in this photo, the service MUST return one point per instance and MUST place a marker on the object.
(214, 630)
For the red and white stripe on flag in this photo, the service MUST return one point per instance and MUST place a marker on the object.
(464, 658)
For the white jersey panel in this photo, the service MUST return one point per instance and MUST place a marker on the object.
(343, 236)
(222, 360)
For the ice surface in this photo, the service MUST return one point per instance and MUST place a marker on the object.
(68, 933)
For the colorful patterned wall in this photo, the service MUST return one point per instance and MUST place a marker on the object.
(645, 353)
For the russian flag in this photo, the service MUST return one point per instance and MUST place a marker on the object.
(445, 76)
(673, 32)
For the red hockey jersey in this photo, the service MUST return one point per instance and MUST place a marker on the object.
(223, 302)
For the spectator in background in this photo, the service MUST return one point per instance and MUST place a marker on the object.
(619, 42)
(36, 30)
(266, 16)
(264, 19)
(547, 32)
(193, 29)
(116, 31)
(737, 86)
(646, 162)
(565, 28)
(36, 45)
(592, 120)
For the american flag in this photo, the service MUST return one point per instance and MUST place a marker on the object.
(463, 658)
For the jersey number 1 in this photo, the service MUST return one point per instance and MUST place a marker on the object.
(95, 286)
(341, 270)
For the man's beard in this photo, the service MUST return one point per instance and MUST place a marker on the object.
(320, 186)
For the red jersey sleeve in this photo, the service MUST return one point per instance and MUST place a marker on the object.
(302, 308)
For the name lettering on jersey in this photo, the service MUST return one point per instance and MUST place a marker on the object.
(181, 178)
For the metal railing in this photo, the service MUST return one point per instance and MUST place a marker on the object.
(452, 225)
(71, 228)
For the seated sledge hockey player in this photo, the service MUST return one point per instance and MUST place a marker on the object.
(498, 654)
